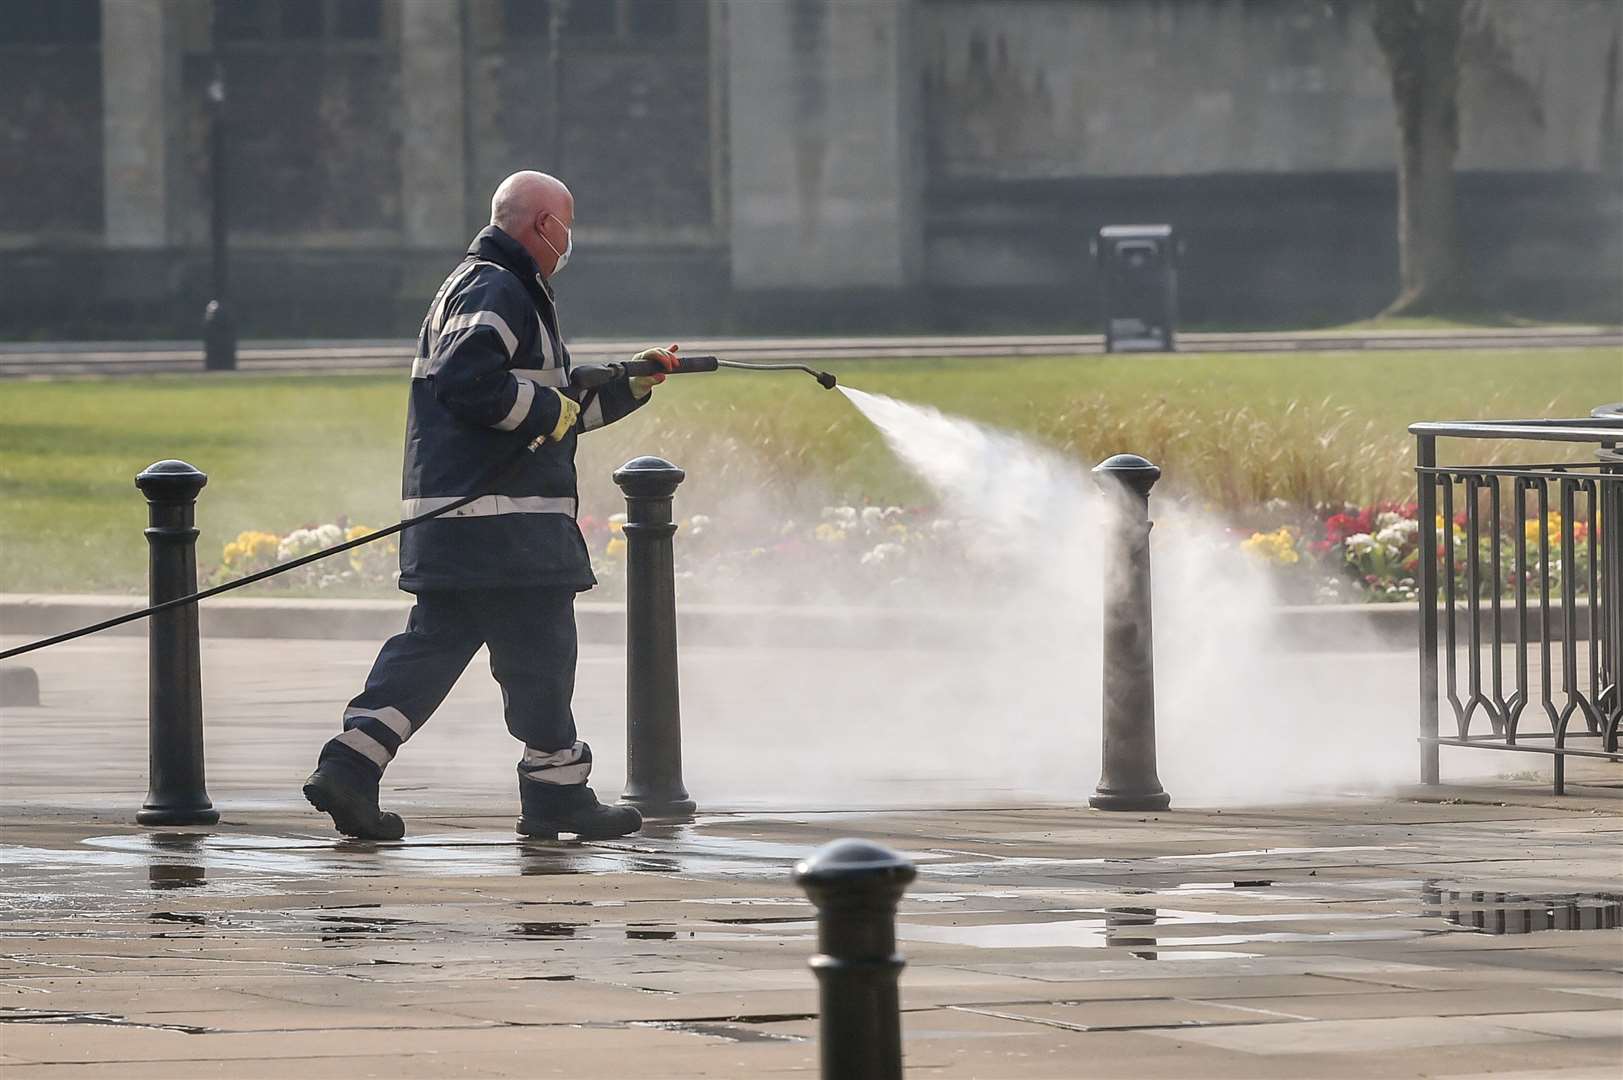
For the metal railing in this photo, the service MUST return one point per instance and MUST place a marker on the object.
(1526, 559)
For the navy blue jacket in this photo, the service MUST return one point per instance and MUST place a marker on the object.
(487, 355)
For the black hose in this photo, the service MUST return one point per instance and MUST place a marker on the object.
(489, 479)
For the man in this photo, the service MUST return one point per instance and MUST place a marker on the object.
(491, 375)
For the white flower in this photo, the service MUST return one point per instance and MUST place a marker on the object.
(617, 519)
(942, 525)
(880, 553)
(893, 512)
(699, 521)
(296, 543)
(872, 515)
(1398, 533)
(1359, 544)
(1387, 520)
(328, 535)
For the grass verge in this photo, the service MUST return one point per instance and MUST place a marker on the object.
(1232, 430)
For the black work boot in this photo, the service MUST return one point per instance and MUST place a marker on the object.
(550, 809)
(352, 799)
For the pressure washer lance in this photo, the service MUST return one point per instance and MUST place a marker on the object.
(591, 376)
(587, 377)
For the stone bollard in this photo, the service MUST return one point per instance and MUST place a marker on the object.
(653, 702)
(1127, 779)
(176, 795)
(856, 886)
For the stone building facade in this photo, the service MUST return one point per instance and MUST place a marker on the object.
(781, 165)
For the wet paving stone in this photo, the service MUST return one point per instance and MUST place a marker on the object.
(1300, 931)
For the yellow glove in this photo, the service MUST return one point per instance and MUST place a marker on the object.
(568, 412)
(643, 385)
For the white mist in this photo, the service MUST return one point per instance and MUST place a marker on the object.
(1003, 700)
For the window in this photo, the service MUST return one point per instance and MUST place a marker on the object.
(528, 18)
(606, 22)
(50, 22)
(653, 18)
(298, 20)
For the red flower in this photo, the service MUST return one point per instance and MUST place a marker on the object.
(1340, 526)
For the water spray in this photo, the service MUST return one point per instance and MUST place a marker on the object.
(591, 376)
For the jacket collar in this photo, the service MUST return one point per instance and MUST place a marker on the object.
(494, 245)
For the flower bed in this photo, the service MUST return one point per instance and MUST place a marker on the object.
(1372, 553)
(881, 554)
(366, 568)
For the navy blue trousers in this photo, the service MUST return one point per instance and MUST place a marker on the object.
(531, 635)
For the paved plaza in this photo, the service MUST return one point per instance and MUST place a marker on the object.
(1454, 932)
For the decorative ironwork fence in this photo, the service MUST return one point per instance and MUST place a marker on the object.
(1526, 559)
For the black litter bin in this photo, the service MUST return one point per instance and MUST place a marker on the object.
(1138, 287)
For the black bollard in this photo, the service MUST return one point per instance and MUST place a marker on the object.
(177, 795)
(856, 886)
(653, 703)
(1127, 779)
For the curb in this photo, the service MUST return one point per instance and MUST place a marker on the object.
(1311, 628)
(265, 356)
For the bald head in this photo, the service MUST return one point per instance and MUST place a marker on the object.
(536, 210)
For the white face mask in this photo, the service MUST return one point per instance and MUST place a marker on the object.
(563, 256)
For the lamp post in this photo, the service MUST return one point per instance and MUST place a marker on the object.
(219, 326)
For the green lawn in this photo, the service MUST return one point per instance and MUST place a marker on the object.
(1232, 430)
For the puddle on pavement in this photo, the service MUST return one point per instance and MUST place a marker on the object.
(730, 1032)
(1156, 922)
(1513, 913)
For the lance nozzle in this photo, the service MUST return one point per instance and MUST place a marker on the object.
(590, 376)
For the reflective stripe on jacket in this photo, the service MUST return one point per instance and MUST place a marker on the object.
(489, 357)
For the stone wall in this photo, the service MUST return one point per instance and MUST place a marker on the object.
(1055, 88)
(1264, 132)
(785, 165)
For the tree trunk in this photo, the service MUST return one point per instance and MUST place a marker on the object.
(1421, 42)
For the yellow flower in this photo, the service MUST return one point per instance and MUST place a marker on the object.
(251, 547)
(616, 548)
(1553, 521)
(1277, 547)
(355, 532)
(829, 533)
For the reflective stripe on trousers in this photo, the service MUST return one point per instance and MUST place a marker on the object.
(490, 505)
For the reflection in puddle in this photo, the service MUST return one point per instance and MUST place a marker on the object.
(175, 876)
(1513, 913)
(51, 1016)
(178, 917)
(545, 929)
